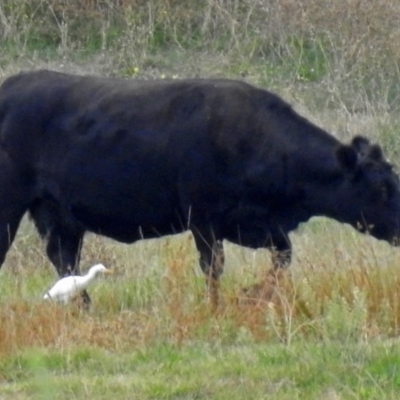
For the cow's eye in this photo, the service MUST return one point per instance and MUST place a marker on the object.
(389, 190)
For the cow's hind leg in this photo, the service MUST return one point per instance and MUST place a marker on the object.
(15, 195)
(211, 262)
(10, 218)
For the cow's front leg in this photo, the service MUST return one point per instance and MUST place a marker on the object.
(64, 250)
(212, 260)
(281, 259)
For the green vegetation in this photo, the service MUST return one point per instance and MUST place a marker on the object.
(331, 333)
(203, 371)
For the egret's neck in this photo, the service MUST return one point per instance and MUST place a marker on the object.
(88, 278)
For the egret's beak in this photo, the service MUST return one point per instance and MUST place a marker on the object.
(109, 272)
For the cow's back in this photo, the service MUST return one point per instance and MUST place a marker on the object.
(116, 154)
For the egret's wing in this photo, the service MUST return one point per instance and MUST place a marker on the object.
(65, 287)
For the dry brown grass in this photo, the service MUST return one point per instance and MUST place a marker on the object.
(348, 291)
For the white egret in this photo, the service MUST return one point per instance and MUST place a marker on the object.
(68, 287)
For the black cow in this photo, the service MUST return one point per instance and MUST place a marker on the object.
(133, 159)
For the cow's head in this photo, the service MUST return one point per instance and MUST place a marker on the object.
(372, 190)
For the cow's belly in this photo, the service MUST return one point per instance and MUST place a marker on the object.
(128, 226)
(128, 212)
(124, 205)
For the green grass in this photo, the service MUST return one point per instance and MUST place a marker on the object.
(208, 371)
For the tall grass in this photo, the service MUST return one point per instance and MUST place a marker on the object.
(350, 49)
(350, 291)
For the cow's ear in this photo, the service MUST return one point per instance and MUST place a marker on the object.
(360, 143)
(347, 157)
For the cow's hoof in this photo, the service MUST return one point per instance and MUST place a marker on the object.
(266, 291)
(260, 293)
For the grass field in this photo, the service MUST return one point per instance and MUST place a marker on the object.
(332, 332)
(151, 334)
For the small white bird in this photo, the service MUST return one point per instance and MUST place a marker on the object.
(68, 287)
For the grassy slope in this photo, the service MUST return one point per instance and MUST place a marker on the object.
(332, 333)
